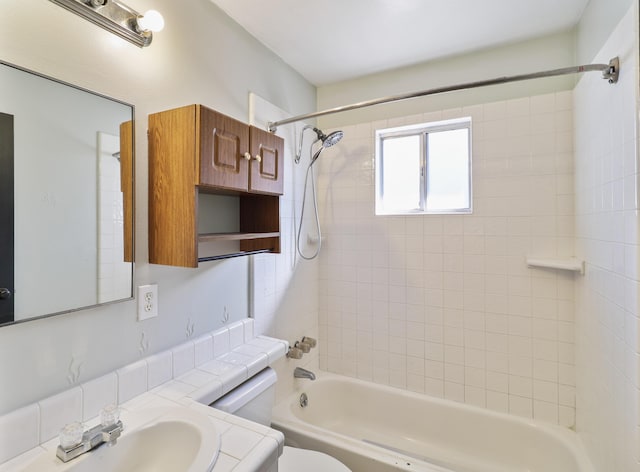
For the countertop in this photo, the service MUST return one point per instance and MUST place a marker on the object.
(245, 445)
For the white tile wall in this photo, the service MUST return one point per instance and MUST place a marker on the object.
(58, 410)
(236, 336)
(203, 347)
(20, 431)
(184, 358)
(285, 287)
(97, 393)
(159, 369)
(608, 335)
(445, 305)
(114, 275)
(220, 342)
(132, 381)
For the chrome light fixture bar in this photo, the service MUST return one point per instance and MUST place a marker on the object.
(113, 16)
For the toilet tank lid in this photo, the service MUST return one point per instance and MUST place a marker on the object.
(247, 391)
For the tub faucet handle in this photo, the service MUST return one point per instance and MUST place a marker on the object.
(310, 341)
(294, 353)
(304, 347)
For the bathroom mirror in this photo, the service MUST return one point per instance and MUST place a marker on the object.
(66, 197)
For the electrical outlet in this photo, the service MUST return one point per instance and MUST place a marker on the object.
(147, 301)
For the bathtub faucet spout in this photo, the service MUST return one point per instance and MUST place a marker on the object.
(300, 373)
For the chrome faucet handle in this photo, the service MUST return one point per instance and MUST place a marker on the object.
(74, 441)
(111, 433)
(112, 426)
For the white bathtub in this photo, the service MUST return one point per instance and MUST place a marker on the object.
(374, 428)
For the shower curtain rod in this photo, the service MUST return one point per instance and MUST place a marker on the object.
(609, 71)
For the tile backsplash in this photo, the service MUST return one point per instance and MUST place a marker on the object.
(445, 304)
(171, 373)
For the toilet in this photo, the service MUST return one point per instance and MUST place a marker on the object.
(254, 400)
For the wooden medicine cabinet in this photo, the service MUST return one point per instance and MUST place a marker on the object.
(214, 187)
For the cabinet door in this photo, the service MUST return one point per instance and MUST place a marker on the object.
(224, 142)
(267, 162)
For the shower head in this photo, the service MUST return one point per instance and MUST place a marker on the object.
(327, 141)
(330, 139)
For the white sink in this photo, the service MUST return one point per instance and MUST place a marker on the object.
(166, 439)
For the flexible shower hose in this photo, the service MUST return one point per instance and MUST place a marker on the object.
(315, 208)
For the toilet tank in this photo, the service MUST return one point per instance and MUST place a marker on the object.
(252, 399)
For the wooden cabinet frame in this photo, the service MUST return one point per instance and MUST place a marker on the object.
(178, 173)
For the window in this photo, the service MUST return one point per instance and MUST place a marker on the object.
(424, 168)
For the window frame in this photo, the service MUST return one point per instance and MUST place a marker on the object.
(422, 130)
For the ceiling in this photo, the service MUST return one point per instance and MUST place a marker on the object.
(333, 40)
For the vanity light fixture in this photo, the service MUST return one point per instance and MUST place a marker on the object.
(117, 18)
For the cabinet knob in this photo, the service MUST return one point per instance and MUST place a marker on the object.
(257, 158)
(5, 293)
(247, 155)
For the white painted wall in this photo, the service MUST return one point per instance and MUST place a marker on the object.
(607, 307)
(598, 20)
(200, 57)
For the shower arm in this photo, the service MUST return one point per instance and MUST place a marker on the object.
(299, 153)
(610, 72)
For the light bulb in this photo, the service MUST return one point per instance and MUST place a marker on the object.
(151, 21)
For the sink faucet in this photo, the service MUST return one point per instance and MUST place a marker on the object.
(73, 442)
(300, 373)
